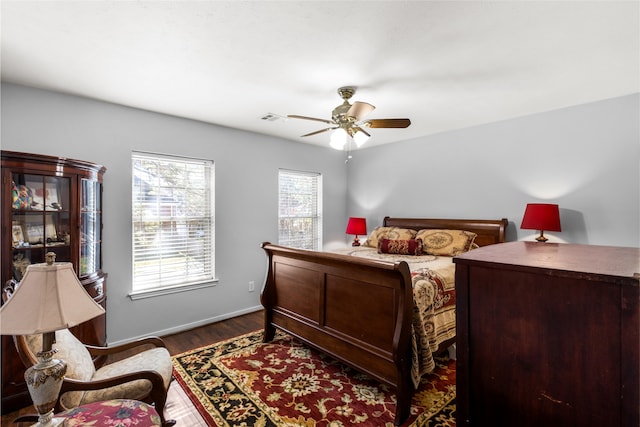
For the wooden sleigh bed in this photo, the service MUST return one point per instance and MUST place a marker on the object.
(360, 310)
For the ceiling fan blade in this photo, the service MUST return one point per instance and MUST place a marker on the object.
(360, 109)
(358, 128)
(293, 116)
(318, 131)
(387, 123)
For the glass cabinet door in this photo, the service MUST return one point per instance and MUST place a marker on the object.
(40, 220)
(90, 227)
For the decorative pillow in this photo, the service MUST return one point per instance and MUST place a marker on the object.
(400, 247)
(446, 242)
(393, 233)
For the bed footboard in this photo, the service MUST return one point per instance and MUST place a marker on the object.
(358, 311)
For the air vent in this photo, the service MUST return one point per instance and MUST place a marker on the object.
(272, 117)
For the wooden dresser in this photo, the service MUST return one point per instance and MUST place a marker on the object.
(548, 335)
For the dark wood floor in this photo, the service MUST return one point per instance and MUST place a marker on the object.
(219, 331)
(188, 340)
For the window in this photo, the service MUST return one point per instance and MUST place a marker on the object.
(172, 223)
(300, 209)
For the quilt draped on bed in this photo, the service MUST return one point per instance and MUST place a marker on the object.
(434, 316)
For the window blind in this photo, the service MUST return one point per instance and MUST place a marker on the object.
(300, 209)
(172, 221)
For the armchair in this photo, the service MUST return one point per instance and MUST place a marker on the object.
(142, 372)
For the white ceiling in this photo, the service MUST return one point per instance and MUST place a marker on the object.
(443, 64)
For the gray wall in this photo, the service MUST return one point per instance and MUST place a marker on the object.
(246, 205)
(585, 158)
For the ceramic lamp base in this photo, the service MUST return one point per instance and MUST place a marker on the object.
(44, 380)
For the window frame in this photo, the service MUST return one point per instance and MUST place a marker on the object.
(184, 189)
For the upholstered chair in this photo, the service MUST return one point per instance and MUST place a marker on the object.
(143, 373)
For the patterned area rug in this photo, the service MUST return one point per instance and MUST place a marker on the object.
(244, 382)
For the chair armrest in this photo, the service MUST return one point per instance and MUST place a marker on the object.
(102, 351)
(70, 384)
(157, 384)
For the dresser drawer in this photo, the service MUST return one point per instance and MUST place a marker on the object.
(96, 290)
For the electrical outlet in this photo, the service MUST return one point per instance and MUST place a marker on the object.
(252, 286)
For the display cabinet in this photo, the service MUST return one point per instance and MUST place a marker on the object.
(50, 204)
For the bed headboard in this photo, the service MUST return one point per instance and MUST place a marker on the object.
(489, 231)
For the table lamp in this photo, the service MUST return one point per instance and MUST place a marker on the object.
(357, 226)
(49, 297)
(541, 216)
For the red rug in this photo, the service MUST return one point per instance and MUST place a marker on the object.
(244, 382)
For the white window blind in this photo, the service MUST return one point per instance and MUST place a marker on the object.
(300, 209)
(172, 221)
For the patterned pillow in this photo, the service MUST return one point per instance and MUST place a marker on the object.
(446, 242)
(394, 233)
(400, 247)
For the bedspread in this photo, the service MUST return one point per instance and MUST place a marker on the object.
(434, 317)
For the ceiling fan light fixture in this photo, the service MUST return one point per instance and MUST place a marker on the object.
(347, 119)
(360, 138)
(338, 139)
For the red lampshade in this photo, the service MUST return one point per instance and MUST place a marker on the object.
(357, 226)
(541, 216)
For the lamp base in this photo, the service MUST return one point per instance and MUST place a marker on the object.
(541, 237)
(356, 242)
(50, 421)
(44, 380)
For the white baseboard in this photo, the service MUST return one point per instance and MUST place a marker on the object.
(187, 326)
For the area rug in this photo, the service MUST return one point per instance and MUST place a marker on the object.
(245, 382)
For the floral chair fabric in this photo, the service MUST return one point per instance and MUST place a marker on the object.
(113, 413)
(154, 359)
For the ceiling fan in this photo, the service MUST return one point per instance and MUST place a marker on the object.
(346, 120)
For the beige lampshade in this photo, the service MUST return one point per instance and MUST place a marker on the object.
(50, 297)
